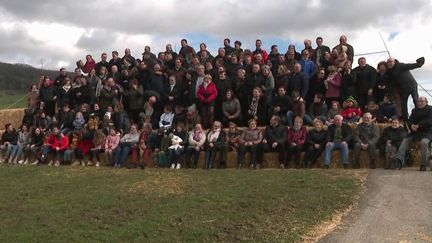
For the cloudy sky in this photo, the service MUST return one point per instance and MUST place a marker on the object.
(58, 33)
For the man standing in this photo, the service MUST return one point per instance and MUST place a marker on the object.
(319, 51)
(338, 136)
(364, 77)
(366, 138)
(403, 81)
(343, 42)
(228, 48)
(420, 124)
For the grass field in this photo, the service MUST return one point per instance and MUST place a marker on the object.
(65, 204)
(9, 97)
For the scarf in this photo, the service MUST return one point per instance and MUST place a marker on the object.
(66, 88)
(197, 135)
(214, 135)
(296, 128)
(253, 108)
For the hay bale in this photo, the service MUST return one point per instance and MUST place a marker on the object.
(13, 116)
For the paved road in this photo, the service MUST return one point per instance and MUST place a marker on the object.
(396, 207)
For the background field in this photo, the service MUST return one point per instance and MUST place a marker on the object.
(66, 204)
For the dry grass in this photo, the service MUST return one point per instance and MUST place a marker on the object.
(326, 227)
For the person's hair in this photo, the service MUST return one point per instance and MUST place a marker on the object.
(184, 40)
(168, 108)
(209, 77)
(332, 69)
(237, 42)
(232, 124)
(232, 93)
(319, 38)
(134, 82)
(382, 63)
(115, 52)
(228, 40)
(251, 121)
(276, 117)
(317, 120)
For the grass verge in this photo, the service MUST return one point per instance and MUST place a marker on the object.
(41, 204)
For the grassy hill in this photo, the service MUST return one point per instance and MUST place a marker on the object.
(70, 204)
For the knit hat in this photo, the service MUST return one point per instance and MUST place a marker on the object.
(350, 98)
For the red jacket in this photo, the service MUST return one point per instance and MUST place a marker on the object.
(62, 144)
(209, 94)
(89, 65)
(346, 112)
(298, 137)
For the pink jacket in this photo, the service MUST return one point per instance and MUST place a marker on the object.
(334, 86)
(112, 142)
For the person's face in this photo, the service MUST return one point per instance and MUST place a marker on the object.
(168, 47)
(216, 126)
(321, 74)
(232, 128)
(319, 42)
(255, 68)
(337, 121)
(334, 106)
(157, 68)
(297, 68)
(390, 63)
(226, 43)
(318, 126)
(305, 55)
(63, 72)
(172, 80)
(281, 92)
(241, 74)
(274, 121)
(367, 118)
(228, 95)
(298, 122)
(112, 132)
(256, 93)
(258, 44)
(96, 107)
(252, 125)
(343, 39)
(266, 72)
(114, 55)
(127, 51)
(350, 103)
(183, 43)
(316, 99)
(114, 69)
(382, 68)
(395, 123)
(10, 128)
(198, 127)
(179, 128)
(421, 102)
(134, 129)
(178, 63)
(200, 70)
(362, 62)
(146, 49)
(55, 131)
(37, 131)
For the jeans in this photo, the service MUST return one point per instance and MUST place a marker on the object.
(424, 150)
(174, 155)
(121, 154)
(336, 145)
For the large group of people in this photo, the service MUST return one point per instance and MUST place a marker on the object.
(171, 106)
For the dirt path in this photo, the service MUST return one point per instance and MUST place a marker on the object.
(396, 207)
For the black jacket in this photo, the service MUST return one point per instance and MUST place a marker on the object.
(364, 78)
(346, 133)
(11, 137)
(396, 135)
(316, 137)
(276, 134)
(423, 118)
(402, 79)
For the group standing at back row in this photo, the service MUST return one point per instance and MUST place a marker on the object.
(173, 94)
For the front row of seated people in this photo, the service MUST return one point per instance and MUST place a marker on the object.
(167, 147)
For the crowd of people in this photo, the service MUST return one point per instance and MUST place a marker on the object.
(171, 106)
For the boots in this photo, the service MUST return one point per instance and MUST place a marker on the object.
(372, 164)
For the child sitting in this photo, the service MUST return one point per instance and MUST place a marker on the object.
(351, 112)
(334, 110)
(166, 118)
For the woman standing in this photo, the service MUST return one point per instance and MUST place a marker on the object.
(207, 93)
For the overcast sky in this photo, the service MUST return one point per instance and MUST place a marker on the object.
(58, 33)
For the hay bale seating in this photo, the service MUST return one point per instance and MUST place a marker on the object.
(270, 160)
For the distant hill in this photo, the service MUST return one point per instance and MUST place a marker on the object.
(21, 76)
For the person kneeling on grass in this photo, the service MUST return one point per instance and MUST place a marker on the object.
(338, 136)
(249, 141)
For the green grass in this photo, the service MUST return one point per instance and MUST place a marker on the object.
(9, 97)
(41, 204)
